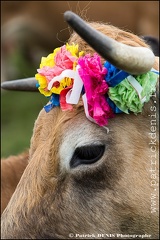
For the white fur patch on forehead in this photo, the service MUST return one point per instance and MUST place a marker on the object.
(86, 134)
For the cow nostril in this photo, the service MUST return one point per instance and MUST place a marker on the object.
(87, 155)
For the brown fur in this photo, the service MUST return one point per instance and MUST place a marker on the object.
(112, 195)
(12, 169)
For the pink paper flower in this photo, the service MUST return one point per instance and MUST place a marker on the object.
(49, 72)
(63, 59)
(92, 74)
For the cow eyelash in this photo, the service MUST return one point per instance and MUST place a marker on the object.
(87, 155)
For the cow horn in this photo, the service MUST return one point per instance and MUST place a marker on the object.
(26, 84)
(134, 60)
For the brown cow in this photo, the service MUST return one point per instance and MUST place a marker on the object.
(12, 169)
(114, 195)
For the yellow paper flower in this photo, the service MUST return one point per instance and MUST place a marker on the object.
(43, 85)
(73, 49)
(52, 65)
(41, 80)
(65, 82)
(45, 92)
(49, 60)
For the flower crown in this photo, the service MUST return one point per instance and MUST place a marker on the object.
(67, 74)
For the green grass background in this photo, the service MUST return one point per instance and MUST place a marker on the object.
(19, 111)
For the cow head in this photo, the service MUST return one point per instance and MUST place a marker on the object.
(84, 180)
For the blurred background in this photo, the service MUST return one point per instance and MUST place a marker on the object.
(32, 29)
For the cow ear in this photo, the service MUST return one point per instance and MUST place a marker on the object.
(153, 42)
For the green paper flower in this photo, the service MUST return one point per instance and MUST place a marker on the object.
(125, 96)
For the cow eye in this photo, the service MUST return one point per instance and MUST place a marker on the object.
(87, 155)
